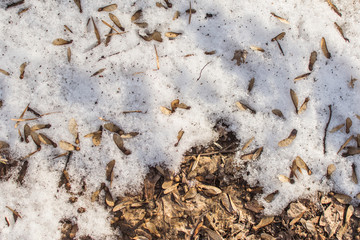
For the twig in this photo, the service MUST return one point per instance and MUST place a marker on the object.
(110, 26)
(202, 70)
(157, 60)
(190, 13)
(133, 111)
(326, 128)
(280, 47)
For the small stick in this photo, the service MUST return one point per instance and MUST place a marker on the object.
(29, 109)
(202, 70)
(157, 60)
(280, 47)
(326, 128)
(15, 4)
(110, 26)
(23, 119)
(112, 34)
(7, 221)
(190, 13)
(134, 111)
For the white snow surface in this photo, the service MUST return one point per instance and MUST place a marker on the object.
(51, 84)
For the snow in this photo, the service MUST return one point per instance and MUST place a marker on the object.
(51, 84)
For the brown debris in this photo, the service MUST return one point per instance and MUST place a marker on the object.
(287, 141)
(312, 60)
(239, 56)
(324, 48)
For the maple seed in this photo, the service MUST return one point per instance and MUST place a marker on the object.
(324, 48)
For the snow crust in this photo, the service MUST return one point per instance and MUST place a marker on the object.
(52, 84)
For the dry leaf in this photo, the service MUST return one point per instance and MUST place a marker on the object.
(334, 8)
(113, 128)
(98, 72)
(22, 70)
(301, 164)
(251, 84)
(78, 3)
(179, 136)
(294, 99)
(264, 222)
(312, 60)
(284, 179)
(172, 34)
(109, 171)
(120, 144)
(109, 8)
(278, 113)
(353, 174)
(153, 36)
(68, 146)
(341, 32)
(278, 37)
(301, 76)
(116, 21)
(330, 169)
(304, 105)
(342, 198)
(337, 128)
(345, 143)
(246, 145)
(348, 125)
(60, 41)
(4, 72)
(269, 198)
(136, 15)
(283, 20)
(256, 48)
(244, 107)
(46, 140)
(96, 31)
(240, 56)
(165, 110)
(287, 141)
(324, 48)
(351, 83)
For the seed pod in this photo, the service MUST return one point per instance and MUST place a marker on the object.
(283, 20)
(46, 140)
(113, 128)
(343, 198)
(109, 8)
(68, 146)
(294, 99)
(287, 141)
(60, 41)
(109, 170)
(348, 125)
(172, 34)
(324, 48)
(136, 15)
(269, 198)
(264, 222)
(284, 179)
(301, 76)
(176, 15)
(116, 21)
(245, 107)
(304, 105)
(337, 128)
(278, 113)
(22, 70)
(4, 72)
(120, 144)
(278, 37)
(256, 48)
(312, 60)
(251, 84)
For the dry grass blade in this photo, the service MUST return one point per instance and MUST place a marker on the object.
(68, 29)
(136, 15)
(278, 113)
(348, 124)
(283, 20)
(312, 60)
(96, 31)
(256, 48)
(22, 70)
(246, 145)
(60, 41)
(78, 3)
(287, 141)
(324, 48)
(301, 76)
(4, 72)
(116, 21)
(120, 144)
(345, 143)
(304, 105)
(264, 222)
(333, 7)
(337, 128)
(294, 99)
(108, 8)
(98, 72)
(341, 32)
(251, 84)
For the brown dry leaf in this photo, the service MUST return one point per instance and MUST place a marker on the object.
(341, 32)
(120, 144)
(353, 174)
(116, 21)
(68, 146)
(108, 8)
(312, 60)
(244, 107)
(337, 128)
(96, 31)
(27, 132)
(278, 113)
(69, 54)
(301, 164)
(345, 143)
(136, 15)
(113, 128)
(60, 41)
(324, 48)
(287, 141)
(4, 72)
(142, 25)
(174, 104)
(283, 20)
(304, 105)
(22, 70)
(98, 72)
(269, 198)
(165, 110)
(352, 81)
(256, 48)
(46, 140)
(153, 36)
(239, 56)
(172, 34)
(246, 145)
(278, 37)
(109, 170)
(294, 99)
(284, 179)
(330, 169)
(334, 8)
(251, 84)
(176, 15)
(179, 136)
(342, 198)
(301, 76)
(35, 138)
(108, 198)
(78, 3)
(348, 125)
(264, 222)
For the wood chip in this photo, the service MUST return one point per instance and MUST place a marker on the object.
(264, 222)
(287, 141)
(324, 48)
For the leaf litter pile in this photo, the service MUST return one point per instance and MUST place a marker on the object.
(108, 113)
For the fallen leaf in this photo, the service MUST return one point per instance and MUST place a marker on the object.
(301, 164)
(337, 128)
(136, 15)
(294, 99)
(35, 138)
(330, 169)
(46, 140)
(264, 222)
(60, 41)
(116, 21)
(304, 105)
(287, 141)
(324, 48)
(312, 60)
(22, 70)
(108, 8)
(278, 113)
(348, 125)
(152, 36)
(174, 104)
(120, 144)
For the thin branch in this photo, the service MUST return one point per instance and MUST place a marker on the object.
(202, 70)
(326, 128)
